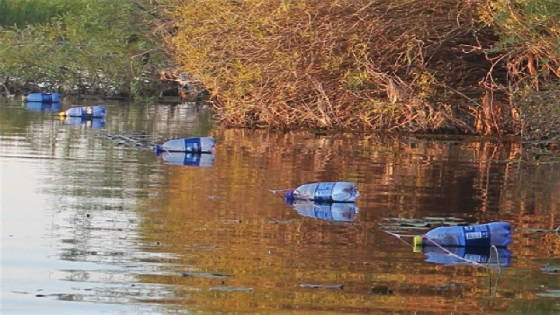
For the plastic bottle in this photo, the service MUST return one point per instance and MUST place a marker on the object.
(97, 111)
(325, 192)
(463, 255)
(200, 145)
(188, 158)
(482, 235)
(42, 97)
(332, 211)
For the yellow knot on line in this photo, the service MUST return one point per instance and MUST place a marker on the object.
(417, 244)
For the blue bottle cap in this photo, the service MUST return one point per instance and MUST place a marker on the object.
(289, 197)
(157, 150)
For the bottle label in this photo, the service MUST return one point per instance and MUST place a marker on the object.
(191, 159)
(476, 258)
(192, 145)
(322, 211)
(323, 192)
(477, 235)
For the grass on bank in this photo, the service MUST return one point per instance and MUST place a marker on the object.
(89, 46)
(20, 13)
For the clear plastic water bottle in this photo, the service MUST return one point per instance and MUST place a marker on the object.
(188, 158)
(499, 258)
(200, 145)
(97, 111)
(482, 235)
(332, 211)
(42, 97)
(325, 192)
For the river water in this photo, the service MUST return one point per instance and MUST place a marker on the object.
(93, 223)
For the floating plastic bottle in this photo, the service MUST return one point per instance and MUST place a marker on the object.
(95, 123)
(188, 158)
(43, 97)
(482, 235)
(325, 192)
(453, 255)
(96, 111)
(200, 145)
(331, 211)
(40, 106)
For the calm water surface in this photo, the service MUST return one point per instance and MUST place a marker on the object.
(93, 224)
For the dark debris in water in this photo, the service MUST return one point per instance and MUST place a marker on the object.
(403, 224)
(322, 286)
(550, 293)
(233, 221)
(538, 230)
(449, 286)
(381, 290)
(280, 222)
(231, 289)
(137, 140)
(551, 269)
(204, 275)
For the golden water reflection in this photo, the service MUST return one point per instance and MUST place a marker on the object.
(225, 220)
(92, 221)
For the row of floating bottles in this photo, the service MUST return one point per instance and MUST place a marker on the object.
(331, 201)
(88, 116)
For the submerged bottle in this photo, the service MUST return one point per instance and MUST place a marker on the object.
(332, 211)
(188, 158)
(96, 111)
(481, 235)
(200, 145)
(325, 192)
(42, 97)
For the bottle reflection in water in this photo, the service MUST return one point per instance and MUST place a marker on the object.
(187, 158)
(95, 123)
(40, 106)
(491, 256)
(333, 211)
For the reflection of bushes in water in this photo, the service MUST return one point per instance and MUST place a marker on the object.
(494, 177)
(95, 46)
(386, 168)
(399, 65)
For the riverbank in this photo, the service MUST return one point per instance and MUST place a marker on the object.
(81, 47)
(482, 68)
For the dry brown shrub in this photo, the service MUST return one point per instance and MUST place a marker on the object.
(525, 66)
(410, 65)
